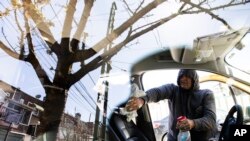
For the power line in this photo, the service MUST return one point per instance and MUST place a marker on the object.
(84, 97)
(56, 14)
(92, 80)
(86, 91)
(80, 102)
(121, 62)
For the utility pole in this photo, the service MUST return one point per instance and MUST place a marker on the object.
(108, 68)
(105, 69)
(97, 115)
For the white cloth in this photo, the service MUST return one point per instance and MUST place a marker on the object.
(135, 92)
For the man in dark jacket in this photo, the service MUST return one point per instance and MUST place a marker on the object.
(188, 100)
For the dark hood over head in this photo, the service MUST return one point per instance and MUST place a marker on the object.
(192, 74)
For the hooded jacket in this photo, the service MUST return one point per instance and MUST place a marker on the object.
(195, 104)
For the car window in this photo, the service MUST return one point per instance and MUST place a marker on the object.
(223, 98)
(159, 111)
(237, 58)
(243, 99)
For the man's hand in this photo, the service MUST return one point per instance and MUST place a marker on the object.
(185, 125)
(134, 103)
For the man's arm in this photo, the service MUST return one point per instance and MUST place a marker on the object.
(152, 95)
(159, 93)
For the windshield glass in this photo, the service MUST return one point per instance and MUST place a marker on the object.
(238, 58)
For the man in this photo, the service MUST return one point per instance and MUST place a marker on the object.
(186, 99)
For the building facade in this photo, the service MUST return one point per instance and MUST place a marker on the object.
(20, 113)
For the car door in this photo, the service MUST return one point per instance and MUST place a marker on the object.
(226, 96)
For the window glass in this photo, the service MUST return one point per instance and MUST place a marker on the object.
(223, 98)
(18, 114)
(159, 111)
(243, 99)
(238, 58)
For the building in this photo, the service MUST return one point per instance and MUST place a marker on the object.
(73, 129)
(19, 117)
(18, 112)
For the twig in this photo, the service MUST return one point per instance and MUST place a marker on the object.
(210, 13)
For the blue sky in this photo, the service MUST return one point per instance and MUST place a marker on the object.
(180, 31)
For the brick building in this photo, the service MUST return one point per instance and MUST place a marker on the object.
(22, 112)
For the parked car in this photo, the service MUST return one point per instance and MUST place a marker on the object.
(222, 63)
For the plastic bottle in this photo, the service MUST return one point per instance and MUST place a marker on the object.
(183, 135)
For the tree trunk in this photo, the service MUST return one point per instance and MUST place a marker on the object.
(54, 105)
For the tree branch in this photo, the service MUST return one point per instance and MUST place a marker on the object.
(146, 25)
(230, 4)
(118, 47)
(67, 26)
(38, 18)
(22, 51)
(84, 18)
(5, 37)
(81, 55)
(31, 58)
(209, 12)
(126, 4)
(9, 51)
(140, 5)
(130, 10)
(150, 26)
(82, 24)
(75, 77)
(116, 32)
(98, 61)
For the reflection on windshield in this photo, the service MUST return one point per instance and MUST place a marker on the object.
(238, 59)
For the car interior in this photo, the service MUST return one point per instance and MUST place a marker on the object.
(207, 54)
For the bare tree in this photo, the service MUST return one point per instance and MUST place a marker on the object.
(70, 49)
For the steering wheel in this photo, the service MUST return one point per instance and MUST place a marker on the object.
(231, 120)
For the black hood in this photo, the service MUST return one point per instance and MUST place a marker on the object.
(192, 74)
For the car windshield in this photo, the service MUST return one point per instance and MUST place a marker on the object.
(238, 58)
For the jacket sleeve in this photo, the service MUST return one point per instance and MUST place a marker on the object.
(159, 93)
(208, 121)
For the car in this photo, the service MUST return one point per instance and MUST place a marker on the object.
(221, 61)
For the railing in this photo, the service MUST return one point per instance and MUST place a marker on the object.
(9, 115)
